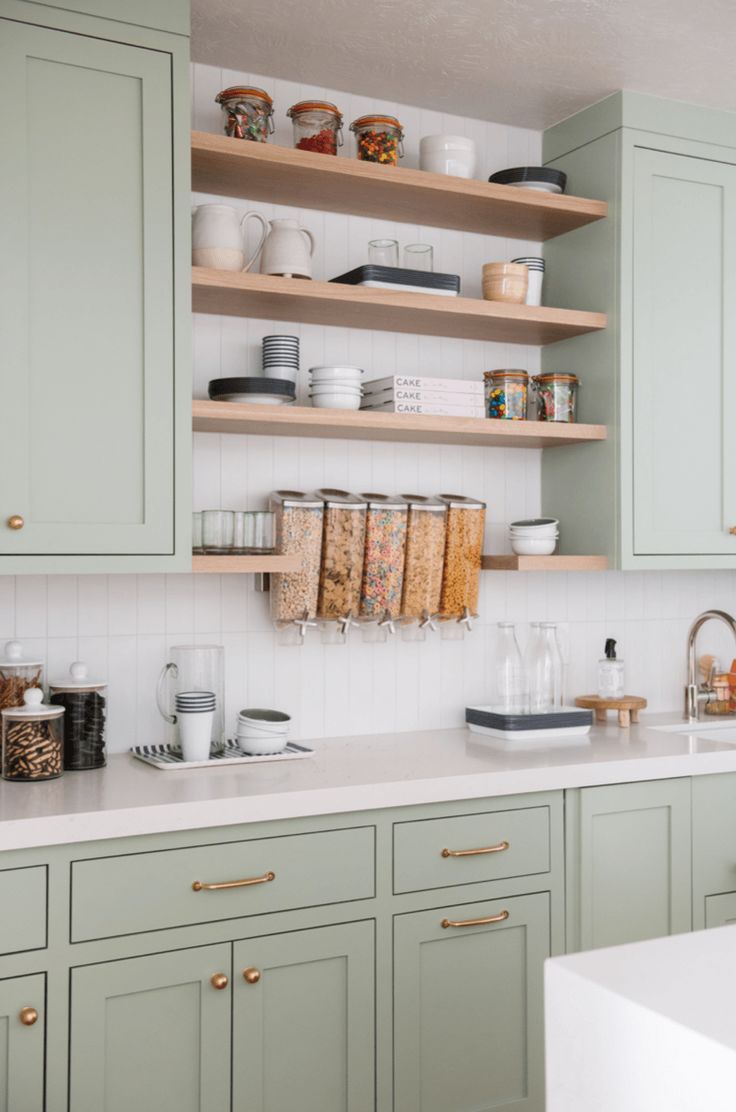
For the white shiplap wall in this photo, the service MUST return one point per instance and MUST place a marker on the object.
(123, 624)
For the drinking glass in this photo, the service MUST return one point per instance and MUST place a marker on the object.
(217, 530)
(197, 545)
(383, 252)
(419, 256)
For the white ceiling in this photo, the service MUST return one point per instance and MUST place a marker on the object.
(527, 62)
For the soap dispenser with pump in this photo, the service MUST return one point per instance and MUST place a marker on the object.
(610, 673)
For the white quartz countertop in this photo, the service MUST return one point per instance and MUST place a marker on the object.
(345, 774)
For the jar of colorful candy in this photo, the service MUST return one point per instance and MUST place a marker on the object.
(506, 394)
(248, 112)
(379, 139)
(317, 126)
(557, 397)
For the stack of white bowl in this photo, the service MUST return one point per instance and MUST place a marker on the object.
(335, 387)
(260, 732)
(535, 537)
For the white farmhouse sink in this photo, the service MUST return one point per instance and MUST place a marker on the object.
(718, 729)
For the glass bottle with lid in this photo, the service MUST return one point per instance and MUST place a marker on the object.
(383, 567)
(506, 394)
(298, 519)
(466, 518)
(248, 112)
(557, 397)
(317, 126)
(425, 554)
(379, 139)
(85, 705)
(33, 739)
(343, 547)
(17, 675)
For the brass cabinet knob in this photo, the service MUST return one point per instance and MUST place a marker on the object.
(15, 522)
(252, 976)
(732, 530)
(219, 980)
(28, 1016)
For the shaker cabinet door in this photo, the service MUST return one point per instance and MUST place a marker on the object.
(86, 296)
(684, 355)
(152, 1034)
(22, 1023)
(303, 1021)
(468, 1008)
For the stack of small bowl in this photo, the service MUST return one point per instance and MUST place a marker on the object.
(281, 357)
(336, 387)
(505, 282)
(261, 732)
(535, 537)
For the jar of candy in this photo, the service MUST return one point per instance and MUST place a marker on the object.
(379, 139)
(317, 126)
(33, 739)
(248, 112)
(85, 703)
(557, 397)
(506, 394)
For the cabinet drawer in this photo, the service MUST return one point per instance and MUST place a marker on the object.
(467, 849)
(720, 911)
(23, 903)
(179, 887)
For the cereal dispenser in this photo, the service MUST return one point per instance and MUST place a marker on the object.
(383, 565)
(298, 528)
(341, 573)
(425, 552)
(463, 550)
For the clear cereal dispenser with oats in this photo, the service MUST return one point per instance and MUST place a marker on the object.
(298, 529)
(343, 546)
(466, 518)
(425, 555)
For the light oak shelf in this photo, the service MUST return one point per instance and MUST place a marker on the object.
(225, 565)
(544, 563)
(286, 420)
(239, 294)
(283, 175)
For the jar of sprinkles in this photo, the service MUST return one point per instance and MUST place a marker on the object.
(85, 705)
(506, 394)
(383, 566)
(317, 126)
(557, 396)
(32, 739)
(248, 112)
(379, 139)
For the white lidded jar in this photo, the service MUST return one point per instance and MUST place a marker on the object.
(453, 155)
(17, 675)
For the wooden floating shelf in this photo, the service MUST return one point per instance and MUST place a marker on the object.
(239, 294)
(283, 175)
(225, 565)
(544, 563)
(345, 424)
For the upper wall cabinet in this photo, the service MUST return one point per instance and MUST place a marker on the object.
(94, 367)
(661, 493)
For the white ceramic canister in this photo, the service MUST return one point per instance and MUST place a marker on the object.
(218, 237)
(288, 250)
(447, 154)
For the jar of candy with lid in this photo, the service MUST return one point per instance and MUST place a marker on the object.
(379, 139)
(506, 394)
(85, 703)
(248, 112)
(317, 126)
(33, 739)
(557, 396)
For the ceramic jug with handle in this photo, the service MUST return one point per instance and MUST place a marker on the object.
(288, 250)
(218, 237)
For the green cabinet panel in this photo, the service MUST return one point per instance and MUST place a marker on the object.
(22, 1047)
(303, 1033)
(22, 909)
(468, 1007)
(151, 1034)
(720, 911)
(714, 841)
(628, 863)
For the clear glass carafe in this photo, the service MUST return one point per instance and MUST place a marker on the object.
(511, 681)
(193, 668)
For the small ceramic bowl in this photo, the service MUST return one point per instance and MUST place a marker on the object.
(533, 546)
(263, 746)
(336, 401)
(330, 374)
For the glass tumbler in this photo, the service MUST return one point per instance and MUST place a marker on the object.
(383, 252)
(217, 530)
(419, 256)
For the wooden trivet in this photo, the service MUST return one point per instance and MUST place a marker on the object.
(628, 708)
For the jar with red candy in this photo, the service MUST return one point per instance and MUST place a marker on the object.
(317, 126)
(379, 139)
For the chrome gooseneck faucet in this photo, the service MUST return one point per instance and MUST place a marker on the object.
(698, 694)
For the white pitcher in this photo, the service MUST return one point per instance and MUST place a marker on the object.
(288, 250)
(218, 237)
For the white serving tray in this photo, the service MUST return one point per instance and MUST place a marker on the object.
(168, 757)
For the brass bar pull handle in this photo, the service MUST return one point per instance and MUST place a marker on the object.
(475, 852)
(200, 886)
(502, 915)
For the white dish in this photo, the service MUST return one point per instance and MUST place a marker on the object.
(286, 373)
(335, 401)
(337, 388)
(260, 747)
(531, 546)
(538, 534)
(256, 399)
(329, 374)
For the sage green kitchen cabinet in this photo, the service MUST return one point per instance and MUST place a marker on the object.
(22, 1044)
(629, 869)
(661, 492)
(468, 1006)
(94, 361)
(304, 1022)
(152, 1033)
(720, 911)
(714, 849)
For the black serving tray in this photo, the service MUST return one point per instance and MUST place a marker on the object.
(564, 719)
(400, 276)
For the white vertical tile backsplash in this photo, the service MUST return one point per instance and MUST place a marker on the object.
(124, 624)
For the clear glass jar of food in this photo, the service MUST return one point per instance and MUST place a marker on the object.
(383, 566)
(85, 710)
(466, 519)
(248, 112)
(425, 555)
(298, 532)
(17, 675)
(506, 394)
(557, 397)
(317, 126)
(33, 739)
(379, 139)
(343, 546)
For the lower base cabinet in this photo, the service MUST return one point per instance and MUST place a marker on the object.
(22, 1023)
(468, 1011)
(720, 911)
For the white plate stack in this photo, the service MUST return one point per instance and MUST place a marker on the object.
(536, 536)
(335, 387)
(535, 266)
(260, 732)
(281, 357)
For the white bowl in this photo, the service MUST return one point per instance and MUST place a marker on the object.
(257, 399)
(453, 155)
(552, 531)
(336, 401)
(263, 746)
(334, 388)
(533, 523)
(533, 546)
(287, 373)
(328, 374)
